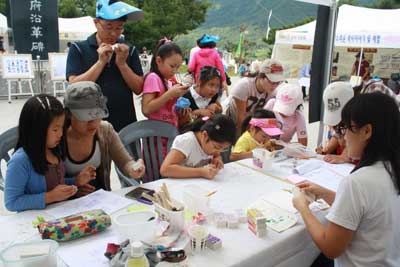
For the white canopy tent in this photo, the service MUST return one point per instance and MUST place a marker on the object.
(75, 28)
(3, 24)
(357, 27)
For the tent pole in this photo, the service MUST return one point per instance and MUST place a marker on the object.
(328, 62)
(360, 60)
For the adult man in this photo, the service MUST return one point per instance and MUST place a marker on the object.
(106, 59)
(364, 68)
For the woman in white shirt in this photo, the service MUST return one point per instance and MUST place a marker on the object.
(363, 222)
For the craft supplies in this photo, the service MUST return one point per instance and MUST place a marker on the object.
(256, 222)
(35, 254)
(198, 236)
(309, 196)
(75, 226)
(213, 242)
(139, 225)
(197, 198)
(232, 221)
(219, 219)
(137, 257)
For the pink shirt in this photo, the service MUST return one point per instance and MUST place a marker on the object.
(153, 84)
(291, 125)
(206, 57)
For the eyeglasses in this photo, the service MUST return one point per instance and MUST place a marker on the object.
(341, 129)
(109, 28)
(219, 148)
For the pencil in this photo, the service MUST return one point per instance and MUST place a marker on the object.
(211, 193)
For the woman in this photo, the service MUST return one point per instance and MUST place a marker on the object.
(252, 93)
(91, 141)
(364, 218)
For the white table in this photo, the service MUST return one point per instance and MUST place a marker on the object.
(238, 187)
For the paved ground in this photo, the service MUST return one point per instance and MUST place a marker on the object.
(9, 114)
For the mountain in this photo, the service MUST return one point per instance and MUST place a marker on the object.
(225, 17)
(228, 13)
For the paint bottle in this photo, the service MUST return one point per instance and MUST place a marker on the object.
(137, 257)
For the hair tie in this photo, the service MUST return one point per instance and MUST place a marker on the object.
(206, 118)
(41, 103)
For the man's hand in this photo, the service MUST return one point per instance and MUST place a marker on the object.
(105, 53)
(121, 54)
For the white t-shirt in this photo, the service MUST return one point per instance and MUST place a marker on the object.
(367, 203)
(291, 125)
(246, 90)
(187, 144)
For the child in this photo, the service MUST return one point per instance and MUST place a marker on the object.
(196, 153)
(207, 56)
(257, 130)
(35, 173)
(287, 109)
(159, 96)
(203, 96)
(336, 95)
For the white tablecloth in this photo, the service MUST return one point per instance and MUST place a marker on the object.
(237, 187)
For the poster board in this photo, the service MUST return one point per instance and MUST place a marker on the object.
(17, 66)
(57, 66)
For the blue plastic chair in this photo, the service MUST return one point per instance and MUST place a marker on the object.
(8, 141)
(143, 139)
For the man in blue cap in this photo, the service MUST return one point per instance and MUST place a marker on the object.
(106, 59)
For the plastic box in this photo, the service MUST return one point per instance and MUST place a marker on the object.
(139, 225)
(176, 219)
(262, 159)
(31, 254)
(196, 199)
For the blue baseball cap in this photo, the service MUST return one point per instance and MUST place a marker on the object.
(209, 39)
(116, 10)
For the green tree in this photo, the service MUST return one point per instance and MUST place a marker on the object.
(161, 18)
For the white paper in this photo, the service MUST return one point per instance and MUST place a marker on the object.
(281, 199)
(100, 199)
(308, 166)
(88, 251)
(278, 219)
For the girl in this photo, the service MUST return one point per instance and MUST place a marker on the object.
(287, 109)
(336, 95)
(203, 97)
(35, 172)
(91, 141)
(257, 130)
(159, 97)
(364, 216)
(197, 153)
(207, 56)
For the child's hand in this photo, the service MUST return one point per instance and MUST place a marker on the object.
(320, 150)
(177, 90)
(85, 189)
(335, 159)
(86, 175)
(137, 172)
(61, 192)
(209, 171)
(214, 108)
(218, 163)
(203, 112)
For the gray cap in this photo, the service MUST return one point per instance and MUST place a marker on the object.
(86, 101)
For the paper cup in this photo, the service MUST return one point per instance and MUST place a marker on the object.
(198, 238)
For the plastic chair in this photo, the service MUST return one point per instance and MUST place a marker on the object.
(143, 139)
(8, 140)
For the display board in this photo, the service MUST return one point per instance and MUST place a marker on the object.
(17, 66)
(57, 66)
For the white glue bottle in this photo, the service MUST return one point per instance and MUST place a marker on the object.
(137, 257)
